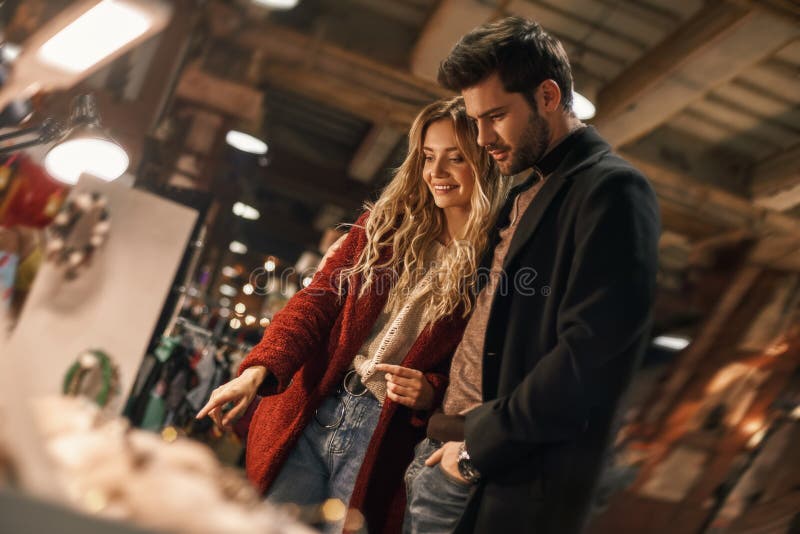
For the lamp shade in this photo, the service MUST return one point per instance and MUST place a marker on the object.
(97, 156)
(87, 148)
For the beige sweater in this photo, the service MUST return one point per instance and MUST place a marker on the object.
(394, 333)
(465, 390)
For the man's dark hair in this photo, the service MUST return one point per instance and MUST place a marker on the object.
(518, 49)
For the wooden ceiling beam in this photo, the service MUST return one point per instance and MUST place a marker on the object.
(715, 206)
(296, 177)
(688, 361)
(723, 39)
(281, 47)
(353, 98)
(776, 173)
(373, 152)
(652, 15)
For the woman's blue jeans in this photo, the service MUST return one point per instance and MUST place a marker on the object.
(328, 455)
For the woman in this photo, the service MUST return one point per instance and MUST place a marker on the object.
(361, 356)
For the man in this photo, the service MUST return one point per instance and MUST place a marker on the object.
(564, 316)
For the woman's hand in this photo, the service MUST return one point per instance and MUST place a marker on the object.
(240, 391)
(408, 387)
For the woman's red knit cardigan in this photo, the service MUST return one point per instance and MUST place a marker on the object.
(309, 347)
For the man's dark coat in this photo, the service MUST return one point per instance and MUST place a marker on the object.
(562, 342)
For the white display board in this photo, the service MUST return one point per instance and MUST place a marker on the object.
(113, 305)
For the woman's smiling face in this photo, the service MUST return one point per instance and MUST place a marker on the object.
(446, 172)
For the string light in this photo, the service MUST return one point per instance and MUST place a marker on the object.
(246, 211)
(237, 247)
(228, 290)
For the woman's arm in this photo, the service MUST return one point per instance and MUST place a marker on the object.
(300, 329)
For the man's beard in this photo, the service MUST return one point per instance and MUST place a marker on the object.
(531, 147)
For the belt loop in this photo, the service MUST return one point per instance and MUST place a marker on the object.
(349, 374)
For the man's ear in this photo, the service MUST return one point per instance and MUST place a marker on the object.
(548, 96)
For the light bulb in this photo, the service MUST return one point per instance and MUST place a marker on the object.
(99, 157)
(246, 143)
(582, 106)
(237, 247)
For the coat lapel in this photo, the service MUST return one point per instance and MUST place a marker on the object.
(587, 151)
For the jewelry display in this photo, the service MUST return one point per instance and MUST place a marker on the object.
(93, 375)
(69, 242)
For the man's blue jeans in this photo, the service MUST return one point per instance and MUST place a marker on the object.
(326, 459)
(435, 500)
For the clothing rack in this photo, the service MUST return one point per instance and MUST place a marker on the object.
(220, 340)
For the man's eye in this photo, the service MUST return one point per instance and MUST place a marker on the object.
(497, 116)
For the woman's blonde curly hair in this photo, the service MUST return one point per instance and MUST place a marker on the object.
(406, 219)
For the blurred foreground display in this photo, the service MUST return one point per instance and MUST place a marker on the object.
(247, 131)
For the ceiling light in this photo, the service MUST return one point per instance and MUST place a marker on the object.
(224, 313)
(277, 4)
(238, 247)
(674, 343)
(249, 320)
(87, 148)
(307, 281)
(269, 265)
(245, 142)
(246, 212)
(224, 302)
(248, 289)
(227, 290)
(236, 323)
(240, 308)
(98, 33)
(230, 272)
(264, 322)
(582, 106)
(68, 160)
(9, 52)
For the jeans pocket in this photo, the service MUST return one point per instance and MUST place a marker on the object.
(350, 428)
(453, 480)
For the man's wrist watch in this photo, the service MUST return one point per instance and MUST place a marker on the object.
(465, 467)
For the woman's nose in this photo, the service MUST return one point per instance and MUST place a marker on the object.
(439, 168)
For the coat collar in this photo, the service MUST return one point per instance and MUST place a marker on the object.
(585, 148)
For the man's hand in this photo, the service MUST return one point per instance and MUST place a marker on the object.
(408, 387)
(447, 455)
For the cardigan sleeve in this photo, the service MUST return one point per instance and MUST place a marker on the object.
(300, 330)
(439, 381)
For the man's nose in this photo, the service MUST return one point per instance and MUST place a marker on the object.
(486, 135)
